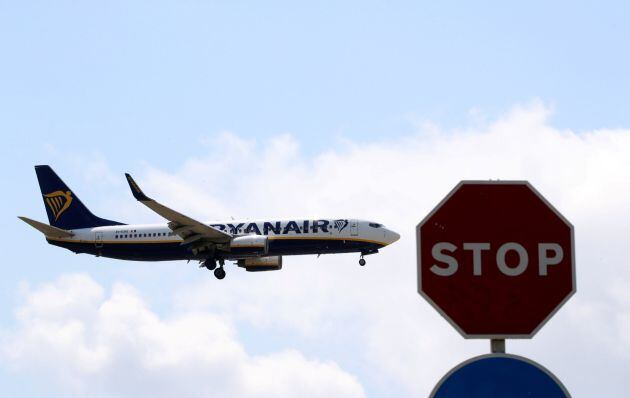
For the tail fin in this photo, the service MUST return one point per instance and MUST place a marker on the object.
(65, 210)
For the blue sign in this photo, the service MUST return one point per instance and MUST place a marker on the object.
(499, 375)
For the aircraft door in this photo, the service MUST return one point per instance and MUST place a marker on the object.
(354, 228)
(98, 240)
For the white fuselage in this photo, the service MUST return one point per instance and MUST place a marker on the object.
(283, 237)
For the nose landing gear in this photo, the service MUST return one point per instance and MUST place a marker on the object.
(365, 253)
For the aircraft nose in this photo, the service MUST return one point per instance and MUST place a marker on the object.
(392, 236)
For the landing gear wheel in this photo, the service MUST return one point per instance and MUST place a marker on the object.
(219, 273)
(210, 264)
(362, 262)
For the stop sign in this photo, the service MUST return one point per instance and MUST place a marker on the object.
(495, 259)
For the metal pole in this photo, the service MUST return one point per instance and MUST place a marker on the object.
(497, 346)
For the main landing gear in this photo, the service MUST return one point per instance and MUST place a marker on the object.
(211, 264)
(219, 273)
(362, 261)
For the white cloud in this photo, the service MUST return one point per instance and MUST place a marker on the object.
(373, 315)
(97, 345)
(585, 175)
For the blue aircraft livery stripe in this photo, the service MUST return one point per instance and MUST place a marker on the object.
(173, 250)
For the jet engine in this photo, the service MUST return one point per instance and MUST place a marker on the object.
(269, 263)
(250, 245)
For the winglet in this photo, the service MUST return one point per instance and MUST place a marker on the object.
(135, 189)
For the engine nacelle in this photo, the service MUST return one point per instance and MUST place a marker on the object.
(250, 245)
(269, 263)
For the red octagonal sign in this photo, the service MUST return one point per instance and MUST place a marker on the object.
(495, 259)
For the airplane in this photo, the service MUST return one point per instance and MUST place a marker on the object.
(255, 245)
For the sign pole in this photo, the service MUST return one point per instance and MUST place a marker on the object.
(497, 346)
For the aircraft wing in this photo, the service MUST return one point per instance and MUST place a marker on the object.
(189, 229)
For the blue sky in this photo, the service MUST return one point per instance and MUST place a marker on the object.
(101, 88)
(97, 71)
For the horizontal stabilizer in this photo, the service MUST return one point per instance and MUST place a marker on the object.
(46, 229)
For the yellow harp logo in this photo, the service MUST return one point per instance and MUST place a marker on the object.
(58, 202)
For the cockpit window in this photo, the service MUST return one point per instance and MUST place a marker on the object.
(375, 225)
